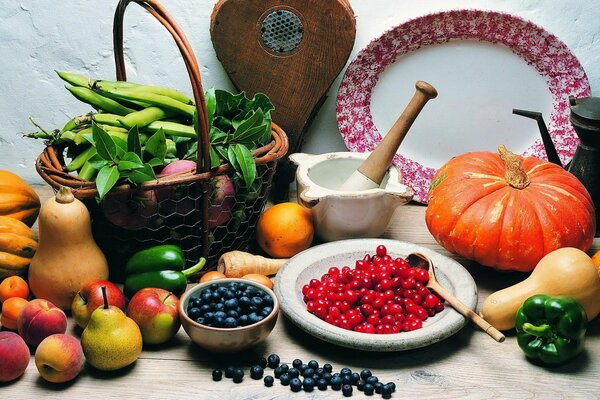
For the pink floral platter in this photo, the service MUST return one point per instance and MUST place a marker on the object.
(541, 50)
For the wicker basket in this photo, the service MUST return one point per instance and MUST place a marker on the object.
(185, 213)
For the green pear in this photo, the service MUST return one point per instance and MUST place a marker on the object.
(111, 340)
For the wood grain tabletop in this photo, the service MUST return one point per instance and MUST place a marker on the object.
(468, 365)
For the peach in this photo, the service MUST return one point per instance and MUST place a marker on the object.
(40, 319)
(59, 358)
(14, 356)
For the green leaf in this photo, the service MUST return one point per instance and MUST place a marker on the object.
(228, 104)
(155, 162)
(156, 146)
(246, 162)
(255, 119)
(261, 101)
(105, 146)
(121, 147)
(141, 175)
(133, 141)
(252, 135)
(222, 150)
(215, 159)
(90, 138)
(211, 105)
(106, 179)
(217, 136)
(130, 161)
(98, 162)
(232, 158)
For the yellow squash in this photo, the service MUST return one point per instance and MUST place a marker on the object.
(67, 257)
(564, 272)
(18, 199)
(18, 244)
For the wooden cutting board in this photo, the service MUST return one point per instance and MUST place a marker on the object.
(291, 50)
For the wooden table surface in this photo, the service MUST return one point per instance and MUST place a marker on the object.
(468, 365)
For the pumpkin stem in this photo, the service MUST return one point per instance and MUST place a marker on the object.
(515, 173)
(64, 195)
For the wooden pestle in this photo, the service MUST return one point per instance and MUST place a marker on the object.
(371, 172)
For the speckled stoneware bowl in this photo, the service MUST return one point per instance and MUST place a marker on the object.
(315, 262)
(227, 340)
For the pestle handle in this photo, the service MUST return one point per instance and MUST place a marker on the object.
(376, 165)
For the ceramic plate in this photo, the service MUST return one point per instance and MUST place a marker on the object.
(483, 65)
(315, 262)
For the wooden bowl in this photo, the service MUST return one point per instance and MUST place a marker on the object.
(227, 340)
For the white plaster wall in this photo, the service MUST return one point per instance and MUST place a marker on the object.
(39, 36)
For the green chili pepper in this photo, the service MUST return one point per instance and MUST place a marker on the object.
(161, 267)
(551, 329)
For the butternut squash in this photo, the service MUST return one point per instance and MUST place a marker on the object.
(564, 272)
(67, 257)
(18, 199)
(18, 244)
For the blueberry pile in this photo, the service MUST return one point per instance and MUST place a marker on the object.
(230, 305)
(311, 376)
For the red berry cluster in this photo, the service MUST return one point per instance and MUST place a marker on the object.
(380, 295)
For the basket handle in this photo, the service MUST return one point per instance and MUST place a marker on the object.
(159, 12)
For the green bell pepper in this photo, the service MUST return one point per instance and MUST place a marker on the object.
(551, 329)
(160, 266)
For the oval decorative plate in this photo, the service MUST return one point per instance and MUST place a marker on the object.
(315, 262)
(483, 64)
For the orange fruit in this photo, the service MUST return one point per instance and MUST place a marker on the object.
(596, 259)
(284, 230)
(13, 286)
(211, 276)
(10, 311)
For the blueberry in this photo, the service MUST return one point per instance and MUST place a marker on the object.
(244, 301)
(204, 308)
(365, 373)
(219, 307)
(336, 382)
(345, 371)
(372, 380)
(243, 321)
(308, 373)
(232, 313)
(252, 308)
(231, 304)
(346, 379)
(322, 384)
(293, 373)
(319, 371)
(220, 314)
(347, 390)
(308, 384)
(256, 372)
(219, 322)
(253, 318)
(285, 379)
(295, 385)
(200, 320)
(238, 375)
(378, 386)
(327, 367)
(213, 286)
(360, 385)
(221, 290)
(386, 390)
(217, 374)
(230, 322)
(215, 297)
(229, 294)
(277, 372)
(313, 364)
(369, 389)
(326, 376)
(273, 361)
(296, 363)
(355, 377)
(229, 372)
(284, 367)
(268, 381)
(195, 302)
(233, 286)
(206, 297)
(263, 361)
(194, 313)
(209, 317)
(392, 385)
(268, 300)
(302, 368)
(265, 312)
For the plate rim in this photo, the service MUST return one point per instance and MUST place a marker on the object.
(545, 52)
(316, 327)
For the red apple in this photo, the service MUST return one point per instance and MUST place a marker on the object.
(40, 319)
(90, 297)
(156, 311)
(14, 356)
(59, 358)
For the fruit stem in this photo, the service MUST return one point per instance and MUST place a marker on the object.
(104, 297)
(64, 195)
(192, 270)
(515, 173)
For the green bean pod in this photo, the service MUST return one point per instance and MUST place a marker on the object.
(171, 148)
(172, 93)
(144, 117)
(106, 119)
(172, 128)
(88, 171)
(81, 159)
(98, 101)
(150, 98)
(74, 79)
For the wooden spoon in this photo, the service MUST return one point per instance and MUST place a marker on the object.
(418, 260)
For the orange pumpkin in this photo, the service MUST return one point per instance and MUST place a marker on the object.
(18, 244)
(506, 211)
(18, 199)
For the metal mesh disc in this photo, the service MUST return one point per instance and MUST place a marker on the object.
(282, 31)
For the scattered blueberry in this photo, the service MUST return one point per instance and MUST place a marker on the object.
(273, 361)
(319, 371)
(256, 372)
(327, 376)
(217, 374)
(268, 380)
(347, 390)
(360, 385)
(296, 363)
(238, 375)
(322, 384)
(355, 377)
(308, 384)
(285, 379)
(345, 371)
(327, 367)
(277, 372)
(372, 380)
(295, 385)
(262, 362)
(392, 385)
(369, 389)
(365, 373)
(229, 372)
(302, 368)
(378, 386)
(346, 379)
(336, 382)
(386, 390)
(313, 364)
(284, 367)
(308, 373)
(293, 373)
